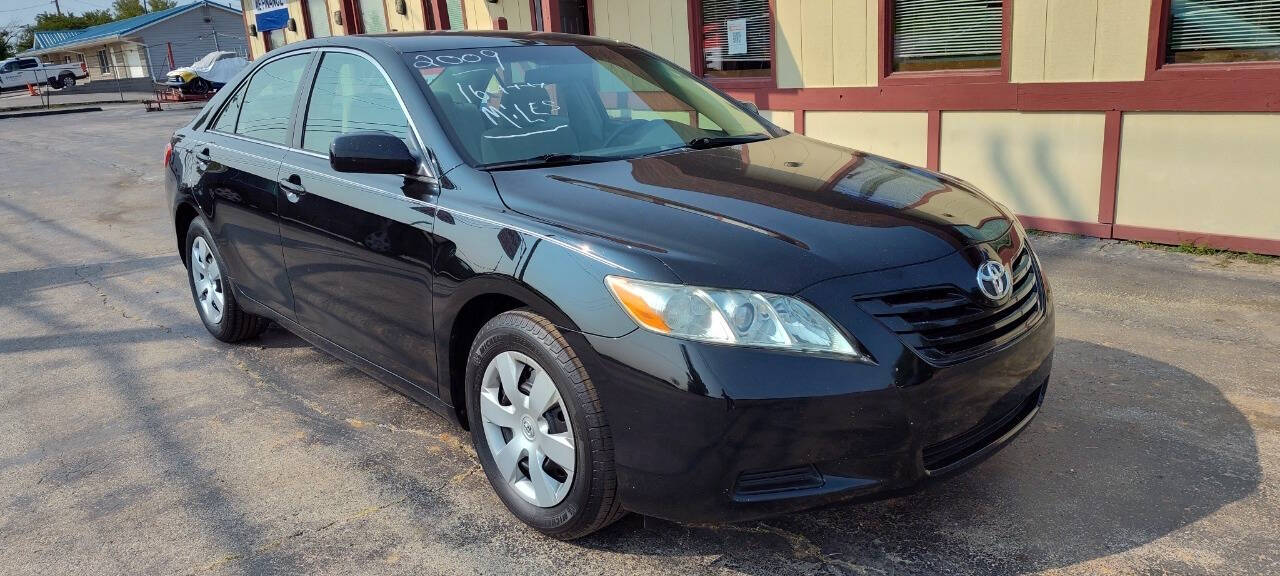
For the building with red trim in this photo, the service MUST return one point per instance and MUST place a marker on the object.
(1155, 120)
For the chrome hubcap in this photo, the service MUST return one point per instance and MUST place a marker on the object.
(527, 429)
(207, 278)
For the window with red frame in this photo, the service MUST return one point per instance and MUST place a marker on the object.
(946, 34)
(737, 38)
(1202, 31)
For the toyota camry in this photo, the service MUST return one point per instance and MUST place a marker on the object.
(634, 291)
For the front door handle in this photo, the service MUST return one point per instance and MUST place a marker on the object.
(293, 189)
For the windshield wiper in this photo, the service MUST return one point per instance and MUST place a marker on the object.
(714, 141)
(546, 160)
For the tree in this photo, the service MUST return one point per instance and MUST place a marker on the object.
(6, 44)
(158, 5)
(127, 8)
(53, 21)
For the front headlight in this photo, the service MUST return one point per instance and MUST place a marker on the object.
(738, 317)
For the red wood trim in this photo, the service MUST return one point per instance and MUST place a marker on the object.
(933, 152)
(1094, 229)
(1228, 72)
(431, 15)
(1241, 95)
(551, 15)
(351, 24)
(798, 122)
(887, 77)
(534, 16)
(1110, 166)
(1158, 26)
(1177, 237)
(591, 17)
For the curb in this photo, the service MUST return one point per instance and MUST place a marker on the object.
(56, 105)
(52, 112)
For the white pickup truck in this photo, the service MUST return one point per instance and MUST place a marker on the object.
(16, 73)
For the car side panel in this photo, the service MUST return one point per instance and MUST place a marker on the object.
(234, 181)
(359, 252)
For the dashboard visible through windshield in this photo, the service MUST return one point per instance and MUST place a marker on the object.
(513, 107)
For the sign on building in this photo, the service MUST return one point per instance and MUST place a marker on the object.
(271, 14)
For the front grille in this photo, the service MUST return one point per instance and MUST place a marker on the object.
(945, 325)
(947, 452)
(780, 480)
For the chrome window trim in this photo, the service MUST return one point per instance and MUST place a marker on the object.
(413, 127)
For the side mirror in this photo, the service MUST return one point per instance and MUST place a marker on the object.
(749, 107)
(371, 153)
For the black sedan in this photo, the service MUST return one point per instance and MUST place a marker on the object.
(635, 292)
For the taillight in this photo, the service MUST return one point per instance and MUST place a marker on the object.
(168, 153)
(84, 67)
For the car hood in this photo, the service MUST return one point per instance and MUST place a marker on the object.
(775, 215)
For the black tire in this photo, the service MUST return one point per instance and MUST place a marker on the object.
(235, 324)
(68, 81)
(592, 500)
(55, 83)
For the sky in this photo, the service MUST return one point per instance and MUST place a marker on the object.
(21, 12)
(14, 13)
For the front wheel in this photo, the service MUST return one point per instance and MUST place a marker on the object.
(538, 427)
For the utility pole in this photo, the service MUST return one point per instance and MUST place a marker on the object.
(57, 7)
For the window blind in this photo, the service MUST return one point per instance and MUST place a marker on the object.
(946, 28)
(454, 8)
(723, 53)
(1224, 24)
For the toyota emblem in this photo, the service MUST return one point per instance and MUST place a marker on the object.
(993, 280)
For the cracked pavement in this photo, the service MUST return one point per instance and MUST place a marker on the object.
(132, 442)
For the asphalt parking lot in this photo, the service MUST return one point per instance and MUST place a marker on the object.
(131, 442)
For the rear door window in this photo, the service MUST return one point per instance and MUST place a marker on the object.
(267, 104)
(351, 95)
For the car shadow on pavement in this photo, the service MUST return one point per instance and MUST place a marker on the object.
(1126, 450)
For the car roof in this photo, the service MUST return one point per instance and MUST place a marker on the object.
(406, 42)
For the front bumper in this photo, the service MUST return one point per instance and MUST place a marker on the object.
(714, 433)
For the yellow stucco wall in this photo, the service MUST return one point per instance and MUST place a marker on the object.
(480, 14)
(661, 26)
(1200, 172)
(826, 42)
(1046, 164)
(785, 119)
(898, 135)
(1079, 40)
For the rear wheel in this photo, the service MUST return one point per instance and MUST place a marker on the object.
(68, 81)
(538, 427)
(211, 289)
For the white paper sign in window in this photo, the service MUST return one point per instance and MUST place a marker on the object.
(737, 35)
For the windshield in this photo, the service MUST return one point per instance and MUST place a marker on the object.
(514, 106)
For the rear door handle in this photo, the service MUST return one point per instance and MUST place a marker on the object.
(203, 158)
(293, 189)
